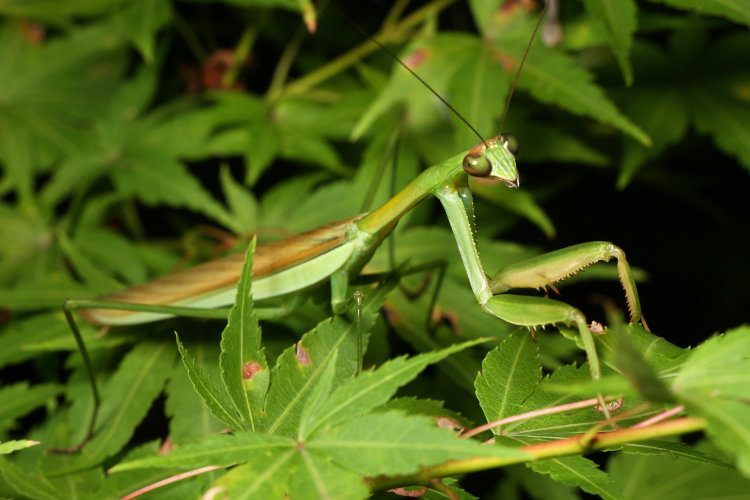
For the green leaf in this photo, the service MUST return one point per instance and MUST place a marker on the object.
(554, 78)
(674, 449)
(142, 20)
(78, 484)
(517, 201)
(28, 484)
(636, 369)
(220, 449)
(548, 142)
(316, 476)
(568, 423)
(214, 397)
(714, 383)
(298, 368)
(32, 330)
(242, 204)
(618, 18)
(83, 66)
(408, 318)
(19, 399)
(142, 154)
(663, 116)
(315, 403)
(52, 11)
(719, 367)
(427, 407)
(263, 145)
(156, 178)
(120, 484)
(392, 443)
(661, 354)
(264, 476)
(541, 486)
(643, 478)
(126, 398)
(435, 63)
(479, 87)
(581, 472)
(111, 251)
(189, 417)
(372, 388)
(244, 368)
(575, 471)
(91, 274)
(19, 444)
(735, 11)
(509, 375)
(727, 120)
(307, 149)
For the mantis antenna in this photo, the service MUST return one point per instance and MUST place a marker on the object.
(434, 92)
(520, 66)
(407, 68)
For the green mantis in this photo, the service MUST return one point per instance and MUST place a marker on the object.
(338, 252)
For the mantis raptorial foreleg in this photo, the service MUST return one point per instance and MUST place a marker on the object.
(538, 272)
(549, 268)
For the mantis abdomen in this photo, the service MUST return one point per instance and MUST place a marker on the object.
(278, 268)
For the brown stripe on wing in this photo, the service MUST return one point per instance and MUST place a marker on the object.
(225, 272)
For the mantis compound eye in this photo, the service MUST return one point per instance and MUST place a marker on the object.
(510, 143)
(477, 165)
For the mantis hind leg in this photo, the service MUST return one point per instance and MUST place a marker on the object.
(68, 308)
(71, 305)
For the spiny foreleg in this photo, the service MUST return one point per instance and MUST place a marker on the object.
(550, 268)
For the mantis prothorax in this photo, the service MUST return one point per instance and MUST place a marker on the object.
(338, 252)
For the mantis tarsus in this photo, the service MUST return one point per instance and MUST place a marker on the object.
(338, 252)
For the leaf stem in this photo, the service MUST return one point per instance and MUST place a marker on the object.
(170, 480)
(241, 53)
(532, 414)
(658, 418)
(387, 34)
(559, 448)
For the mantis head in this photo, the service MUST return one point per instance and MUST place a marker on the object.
(494, 159)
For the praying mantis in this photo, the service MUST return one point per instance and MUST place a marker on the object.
(337, 253)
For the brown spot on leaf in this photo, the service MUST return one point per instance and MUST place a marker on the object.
(33, 32)
(303, 357)
(403, 492)
(449, 423)
(416, 58)
(166, 447)
(392, 316)
(506, 61)
(440, 317)
(250, 368)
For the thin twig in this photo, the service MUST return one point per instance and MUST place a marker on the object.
(395, 34)
(532, 414)
(170, 480)
(658, 418)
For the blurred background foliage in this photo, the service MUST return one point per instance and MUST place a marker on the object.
(137, 138)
